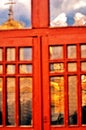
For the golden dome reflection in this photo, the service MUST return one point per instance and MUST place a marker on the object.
(11, 23)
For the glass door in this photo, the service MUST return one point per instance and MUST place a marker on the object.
(20, 100)
(64, 82)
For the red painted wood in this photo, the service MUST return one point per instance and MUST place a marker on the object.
(45, 84)
(40, 13)
(73, 32)
(37, 99)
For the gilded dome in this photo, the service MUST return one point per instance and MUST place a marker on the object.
(11, 24)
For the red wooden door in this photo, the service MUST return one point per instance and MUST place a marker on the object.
(20, 100)
(64, 82)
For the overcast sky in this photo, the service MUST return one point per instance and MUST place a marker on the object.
(25, 2)
(59, 6)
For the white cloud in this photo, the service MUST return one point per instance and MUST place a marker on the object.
(60, 20)
(80, 4)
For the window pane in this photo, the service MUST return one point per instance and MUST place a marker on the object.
(83, 51)
(71, 51)
(57, 100)
(0, 54)
(57, 67)
(83, 66)
(25, 69)
(72, 86)
(10, 101)
(25, 101)
(83, 84)
(10, 69)
(10, 54)
(17, 14)
(0, 101)
(1, 69)
(67, 13)
(72, 67)
(25, 54)
(56, 52)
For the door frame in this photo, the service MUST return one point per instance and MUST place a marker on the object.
(56, 40)
(36, 75)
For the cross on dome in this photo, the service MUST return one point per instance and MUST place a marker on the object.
(10, 3)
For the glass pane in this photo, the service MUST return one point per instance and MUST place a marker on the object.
(25, 101)
(0, 54)
(10, 101)
(25, 69)
(83, 84)
(25, 53)
(83, 66)
(10, 54)
(1, 69)
(56, 52)
(71, 51)
(67, 13)
(83, 51)
(57, 100)
(57, 67)
(10, 69)
(17, 14)
(0, 101)
(72, 67)
(72, 86)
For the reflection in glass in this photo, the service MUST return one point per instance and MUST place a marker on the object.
(57, 67)
(25, 69)
(10, 69)
(83, 51)
(0, 101)
(83, 84)
(83, 66)
(72, 86)
(72, 67)
(17, 14)
(1, 69)
(71, 51)
(10, 101)
(25, 101)
(10, 54)
(56, 52)
(25, 53)
(57, 100)
(0, 54)
(67, 13)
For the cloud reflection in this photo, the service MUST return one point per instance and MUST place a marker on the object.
(70, 9)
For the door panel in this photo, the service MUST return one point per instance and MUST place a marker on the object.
(63, 67)
(20, 96)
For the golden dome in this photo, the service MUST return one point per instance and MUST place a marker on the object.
(11, 24)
